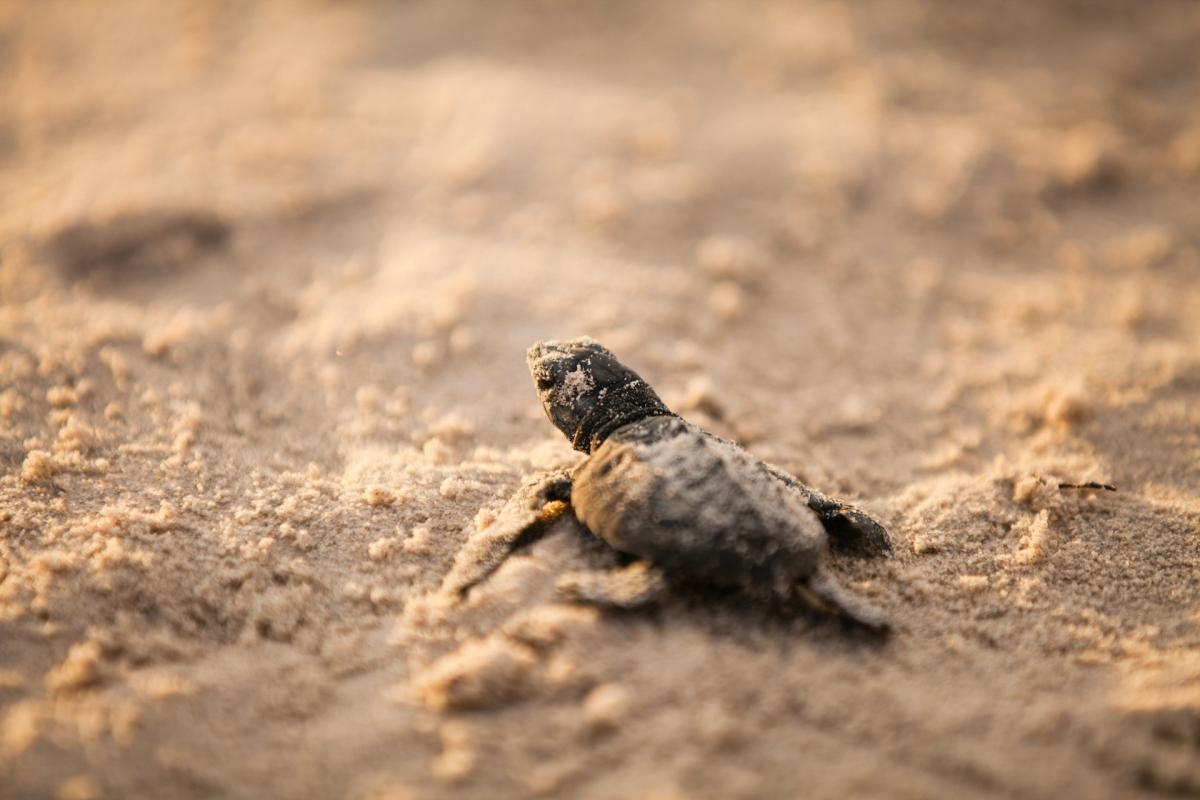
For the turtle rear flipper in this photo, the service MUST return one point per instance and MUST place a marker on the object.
(849, 528)
(826, 594)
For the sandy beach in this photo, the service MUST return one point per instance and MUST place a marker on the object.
(268, 273)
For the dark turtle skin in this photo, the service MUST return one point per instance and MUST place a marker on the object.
(689, 506)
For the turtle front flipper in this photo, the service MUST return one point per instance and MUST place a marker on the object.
(522, 521)
(849, 528)
(824, 593)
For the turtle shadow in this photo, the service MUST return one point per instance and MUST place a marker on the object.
(744, 617)
(735, 614)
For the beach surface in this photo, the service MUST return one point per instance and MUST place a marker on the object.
(268, 273)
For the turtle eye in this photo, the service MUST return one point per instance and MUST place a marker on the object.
(544, 382)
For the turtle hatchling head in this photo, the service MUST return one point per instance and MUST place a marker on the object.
(586, 392)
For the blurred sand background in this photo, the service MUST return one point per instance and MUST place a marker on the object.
(267, 276)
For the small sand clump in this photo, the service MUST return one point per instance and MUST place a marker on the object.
(1026, 488)
(39, 466)
(973, 583)
(1064, 408)
(699, 395)
(10, 403)
(731, 258)
(80, 669)
(381, 549)
(379, 496)
(1142, 249)
(81, 787)
(923, 544)
(425, 354)
(455, 488)
(419, 542)
(457, 760)
(727, 300)
(62, 396)
(21, 726)
(481, 673)
(606, 707)
(1035, 539)
(549, 624)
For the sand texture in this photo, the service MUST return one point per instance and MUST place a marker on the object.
(268, 272)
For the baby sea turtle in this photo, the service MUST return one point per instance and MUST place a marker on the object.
(688, 505)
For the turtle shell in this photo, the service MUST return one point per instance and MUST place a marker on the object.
(700, 508)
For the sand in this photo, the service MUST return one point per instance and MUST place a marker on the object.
(267, 277)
